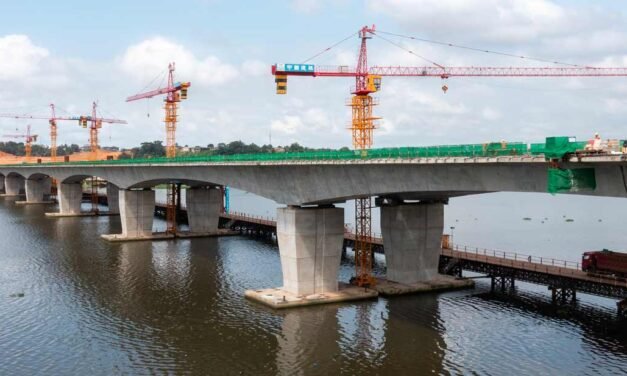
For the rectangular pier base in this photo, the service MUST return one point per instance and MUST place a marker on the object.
(441, 283)
(280, 299)
(82, 214)
(67, 215)
(220, 232)
(164, 236)
(107, 214)
(34, 202)
(123, 238)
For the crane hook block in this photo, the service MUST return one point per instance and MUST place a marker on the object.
(281, 83)
(444, 88)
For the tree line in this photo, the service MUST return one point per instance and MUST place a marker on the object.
(156, 149)
(17, 148)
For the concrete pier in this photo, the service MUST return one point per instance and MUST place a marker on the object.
(203, 209)
(13, 185)
(137, 210)
(113, 199)
(70, 196)
(37, 191)
(412, 236)
(412, 239)
(310, 247)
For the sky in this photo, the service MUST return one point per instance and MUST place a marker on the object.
(73, 52)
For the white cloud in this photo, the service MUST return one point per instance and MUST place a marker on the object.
(306, 6)
(316, 6)
(490, 113)
(506, 20)
(255, 68)
(289, 124)
(19, 57)
(311, 122)
(147, 59)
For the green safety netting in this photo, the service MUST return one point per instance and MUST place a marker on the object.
(555, 147)
(571, 180)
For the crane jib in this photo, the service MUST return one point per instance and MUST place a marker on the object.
(445, 72)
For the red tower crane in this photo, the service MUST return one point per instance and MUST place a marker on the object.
(82, 121)
(175, 92)
(28, 140)
(368, 81)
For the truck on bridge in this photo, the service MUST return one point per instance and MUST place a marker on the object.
(606, 262)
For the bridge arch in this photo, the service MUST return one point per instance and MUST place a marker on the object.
(38, 176)
(14, 174)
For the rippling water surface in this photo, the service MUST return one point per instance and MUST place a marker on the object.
(71, 303)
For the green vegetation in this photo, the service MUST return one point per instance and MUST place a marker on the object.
(156, 149)
(469, 151)
(17, 148)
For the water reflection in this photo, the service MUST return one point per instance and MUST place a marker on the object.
(414, 336)
(309, 341)
(93, 307)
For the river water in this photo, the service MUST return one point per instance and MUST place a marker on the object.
(71, 303)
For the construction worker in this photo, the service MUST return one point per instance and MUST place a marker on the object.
(596, 142)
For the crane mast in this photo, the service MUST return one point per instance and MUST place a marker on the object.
(82, 121)
(53, 133)
(28, 140)
(362, 126)
(368, 81)
(175, 92)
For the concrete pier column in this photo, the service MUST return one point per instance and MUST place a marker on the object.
(412, 235)
(34, 190)
(13, 185)
(2, 185)
(113, 198)
(310, 246)
(137, 210)
(70, 196)
(203, 209)
(47, 187)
